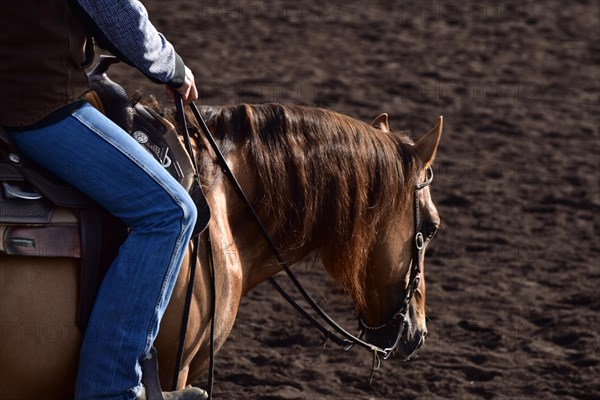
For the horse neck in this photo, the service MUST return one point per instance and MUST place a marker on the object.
(237, 242)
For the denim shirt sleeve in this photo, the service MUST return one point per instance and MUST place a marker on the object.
(123, 28)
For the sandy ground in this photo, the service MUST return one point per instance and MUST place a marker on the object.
(512, 277)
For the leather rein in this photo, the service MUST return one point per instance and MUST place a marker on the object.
(334, 331)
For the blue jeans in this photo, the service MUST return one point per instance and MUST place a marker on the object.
(93, 154)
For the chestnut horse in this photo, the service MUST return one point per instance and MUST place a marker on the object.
(321, 182)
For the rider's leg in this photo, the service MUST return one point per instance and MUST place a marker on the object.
(96, 156)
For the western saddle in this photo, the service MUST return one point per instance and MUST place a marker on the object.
(43, 216)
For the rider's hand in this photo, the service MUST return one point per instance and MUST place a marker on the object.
(188, 90)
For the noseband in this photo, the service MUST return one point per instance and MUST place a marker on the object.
(400, 318)
(339, 335)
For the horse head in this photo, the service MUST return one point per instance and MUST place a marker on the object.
(356, 194)
(393, 315)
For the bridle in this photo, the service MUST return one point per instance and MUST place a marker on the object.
(334, 331)
(399, 319)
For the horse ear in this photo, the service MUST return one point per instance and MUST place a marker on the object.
(381, 122)
(428, 144)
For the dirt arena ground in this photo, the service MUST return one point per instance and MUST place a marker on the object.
(512, 278)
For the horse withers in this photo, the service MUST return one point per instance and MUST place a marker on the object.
(321, 181)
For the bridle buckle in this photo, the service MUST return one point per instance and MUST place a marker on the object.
(419, 241)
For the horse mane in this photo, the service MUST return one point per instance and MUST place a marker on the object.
(331, 180)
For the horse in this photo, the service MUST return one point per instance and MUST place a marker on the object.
(323, 183)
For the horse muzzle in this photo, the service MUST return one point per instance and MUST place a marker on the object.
(411, 340)
(409, 345)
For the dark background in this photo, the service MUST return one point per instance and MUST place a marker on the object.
(512, 277)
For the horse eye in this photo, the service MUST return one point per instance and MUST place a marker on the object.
(430, 230)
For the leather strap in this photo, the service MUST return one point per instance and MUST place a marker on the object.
(150, 377)
(181, 120)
